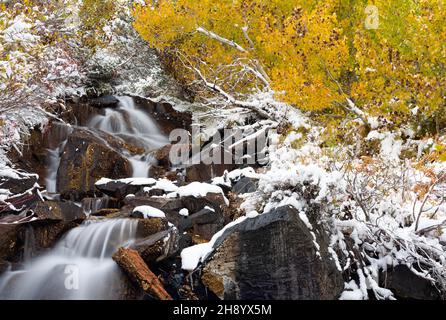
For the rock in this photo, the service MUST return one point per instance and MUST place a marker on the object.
(60, 211)
(157, 172)
(119, 189)
(19, 184)
(105, 102)
(151, 226)
(159, 246)
(407, 285)
(139, 273)
(32, 158)
(206, 223)
(202, 172)
(162, 155)
(203, 222)
(85, 160)
(106, 212)
(18, 234)
(164, 113)
(4, 265)
(92, 205)
(272, 256)
(245, 185)
(9, 241)
(21, 202)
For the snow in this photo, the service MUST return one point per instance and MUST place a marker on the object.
(197, 189)
(163, 184)
(192, 256)
(149, 212)
(8, 173)
(131, 181)
(184, 212)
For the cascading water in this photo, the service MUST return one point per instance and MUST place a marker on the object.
(80, 266)
(58, 140)
(132, 124)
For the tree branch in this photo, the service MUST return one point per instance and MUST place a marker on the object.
(215, 36)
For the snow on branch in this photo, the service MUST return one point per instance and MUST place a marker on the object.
(215, 36)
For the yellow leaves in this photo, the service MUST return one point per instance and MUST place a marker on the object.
(315, 51)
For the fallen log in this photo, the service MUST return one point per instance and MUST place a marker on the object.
(139, 273)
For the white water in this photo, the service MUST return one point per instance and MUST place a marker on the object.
(128, 122)
(79, 267)
(59, 139)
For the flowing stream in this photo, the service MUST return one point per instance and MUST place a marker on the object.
(126, 121)
(131, 123)
(80, 266)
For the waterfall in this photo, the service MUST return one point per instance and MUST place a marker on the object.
(80, 266)
(132, 124)
(127, 121)
(58, 139)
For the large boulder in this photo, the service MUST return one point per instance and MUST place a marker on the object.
(273, 256)
(407, 285)
(59, 211)
(151, 226)
(85, 160)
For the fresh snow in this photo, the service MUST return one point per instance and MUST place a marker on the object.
(197, 189)
(131, 181)
(149, 212)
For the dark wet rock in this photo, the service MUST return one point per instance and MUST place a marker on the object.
(92, 205)
(206, 214)
(106, 213)
(157, 172)
(19, 234)
(407, 285)
(20, 184)
(32, 157)
(21, 202)
(166, 116)
(150, 226)
(85, 160)
(9, 241)
(4, 265)
(159, 246)
(105, 102)
(245, 185)
(139, 273)
(162, 155)
(119, 189)
(60, 211)
(206, 223)
(272, 256)
(203, 172)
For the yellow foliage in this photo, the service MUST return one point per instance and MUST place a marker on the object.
(315, 53)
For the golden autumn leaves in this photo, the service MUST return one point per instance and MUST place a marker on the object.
(314, 53)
